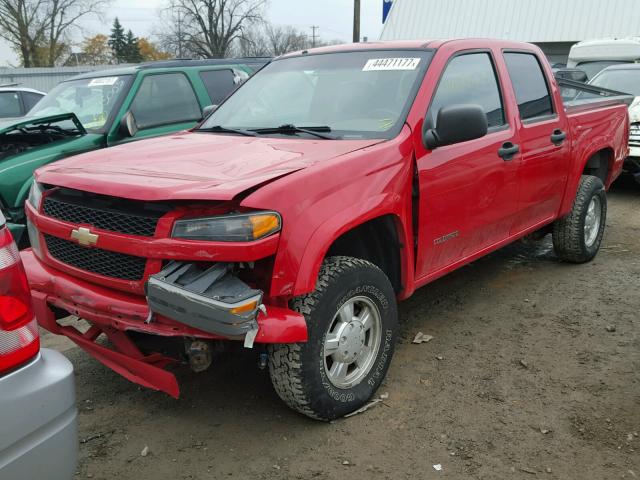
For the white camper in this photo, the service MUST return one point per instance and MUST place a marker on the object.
(591, 56)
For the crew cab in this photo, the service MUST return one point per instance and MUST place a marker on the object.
(111, 107)
(331, 184)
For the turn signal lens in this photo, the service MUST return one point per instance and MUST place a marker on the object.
(247, 307)
(229, 228)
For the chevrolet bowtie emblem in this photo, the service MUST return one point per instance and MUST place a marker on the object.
(84, 236)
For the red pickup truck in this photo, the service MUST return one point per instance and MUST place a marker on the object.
(331, 184)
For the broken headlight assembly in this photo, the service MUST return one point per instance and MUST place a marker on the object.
(210, 298)
(245, 227)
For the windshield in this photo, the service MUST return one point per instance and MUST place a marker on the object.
(91, 99)
(627, 81)
(351, 94)
(592, 68)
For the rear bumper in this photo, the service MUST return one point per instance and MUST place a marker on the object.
(39, 420)
(114, 313)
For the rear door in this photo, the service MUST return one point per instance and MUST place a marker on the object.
(467, 190)
(545, 149)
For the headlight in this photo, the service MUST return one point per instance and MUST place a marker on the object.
(229, 228)
(35, 195)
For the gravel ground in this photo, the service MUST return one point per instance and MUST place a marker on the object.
(534, 371)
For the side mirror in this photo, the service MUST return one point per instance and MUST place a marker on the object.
(128, 126)
(455, 124)
(208, 110)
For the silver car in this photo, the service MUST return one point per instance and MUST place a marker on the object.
(38, 415)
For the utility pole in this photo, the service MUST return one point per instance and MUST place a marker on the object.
(314, 36)
(180, 52)
(356, 21)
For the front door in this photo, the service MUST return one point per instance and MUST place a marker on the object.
(163, 103)
(467, 190)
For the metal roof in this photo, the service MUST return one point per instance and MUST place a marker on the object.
(523, 20)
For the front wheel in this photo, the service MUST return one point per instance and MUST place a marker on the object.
(352, 324)
(577, 237)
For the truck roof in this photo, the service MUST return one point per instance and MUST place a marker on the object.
(17, 88)
(177, 63)
(422, 44)
(623, 66)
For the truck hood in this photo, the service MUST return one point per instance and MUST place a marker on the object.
(192, 166)
(9, 124)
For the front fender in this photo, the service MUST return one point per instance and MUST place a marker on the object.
(23, 193)
(340, 223)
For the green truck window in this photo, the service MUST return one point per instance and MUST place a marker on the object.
(163, 99)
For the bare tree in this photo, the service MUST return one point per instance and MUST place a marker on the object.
(285, 39)
(254, 43)
(38, 30)
(271, 40)
(209, 28)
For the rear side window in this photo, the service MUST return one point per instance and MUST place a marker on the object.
(30, 99)
(10, 105)
(470, 79)
(165, 99)
(219, 84)
(529, 84)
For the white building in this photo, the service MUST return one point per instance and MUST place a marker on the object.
(554, 25)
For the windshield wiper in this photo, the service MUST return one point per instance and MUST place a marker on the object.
(289, 128)
(43, 128)
(220, 129)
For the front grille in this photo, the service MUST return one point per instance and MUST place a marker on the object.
(95, 260)
(106, 213)
(634, 134)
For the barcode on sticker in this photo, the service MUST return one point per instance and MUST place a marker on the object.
(374, 64)
(102, 81)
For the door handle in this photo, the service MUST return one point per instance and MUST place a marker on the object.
(508, 150)
(558, 137)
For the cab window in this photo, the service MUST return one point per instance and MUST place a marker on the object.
(30, 99)
(10, 105)
(164, 99)
(529, 85)
(470, 79)
(219, 84)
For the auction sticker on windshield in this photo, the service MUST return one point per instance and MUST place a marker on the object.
(377, 64)
(102, 81)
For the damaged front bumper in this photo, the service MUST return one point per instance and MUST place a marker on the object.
(113, 313)
(213, 300)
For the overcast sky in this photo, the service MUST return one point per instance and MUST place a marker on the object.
(334, 17)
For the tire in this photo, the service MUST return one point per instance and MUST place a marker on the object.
(307, 376)
(573, 240)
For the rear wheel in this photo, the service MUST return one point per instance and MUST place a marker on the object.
(352, 324)
(577, 237)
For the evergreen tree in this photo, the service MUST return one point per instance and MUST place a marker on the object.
(132, 50)
(118, 42)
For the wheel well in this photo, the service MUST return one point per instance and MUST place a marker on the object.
(599, 164)
(376, 241)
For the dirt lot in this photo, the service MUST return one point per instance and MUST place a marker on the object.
(523, 379)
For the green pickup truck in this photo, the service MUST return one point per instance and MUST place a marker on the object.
(106, 108)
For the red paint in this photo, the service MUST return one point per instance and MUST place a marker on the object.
(323, 189)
